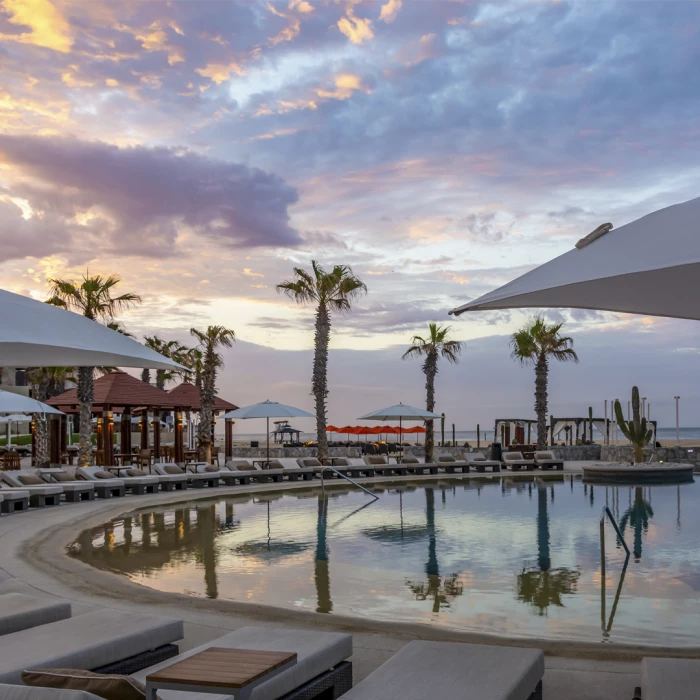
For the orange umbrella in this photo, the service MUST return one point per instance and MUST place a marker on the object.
(331, 429)
(415, 429)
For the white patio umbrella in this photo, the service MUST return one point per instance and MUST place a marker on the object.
(17, 405)
(650, 266)
(400, 412)
(268, 409)
(34, 334)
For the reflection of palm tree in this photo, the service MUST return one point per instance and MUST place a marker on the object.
(543, 586)
(440, 591)
(638, 516)
(205, 526)
(321, 573)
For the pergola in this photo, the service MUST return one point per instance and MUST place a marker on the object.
(121, 393)
(187, 397)
(505, 424)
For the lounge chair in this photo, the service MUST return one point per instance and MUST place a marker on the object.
(296, 472)
(40, 493)
(669, 679)
(106, 486)
(415, 466)
(21, 612)
(516, 461)
(26, 692)
(547, 460)
(137, 485)
(167, 482)
(14, 501)
(451, 465)
(197, 481)
(321, 669)
(381, 466)
(480, 463)
(72, 490)
(354, 471)
(109, 641)
(242, 471)
(449, 670)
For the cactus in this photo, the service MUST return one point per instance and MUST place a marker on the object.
(590, 423)
(635, 430)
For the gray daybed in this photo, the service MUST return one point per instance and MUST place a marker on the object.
(21, 612)
(516, 461)
(669, 679)
(72, 491)
(547, 460)
(451, 465)
(415, 466)
(481, 464)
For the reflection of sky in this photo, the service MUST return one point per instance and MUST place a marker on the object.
(484, 540)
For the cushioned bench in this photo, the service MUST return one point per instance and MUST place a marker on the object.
(447, 671)
(104, 487)
(547, 460)
(481, 464)
(24, 692)
(451, 465)
(195, 480)
(40, 494)
(100, 640)
(321, 662)
(414, 466)
(14, 501)
(21, 612)
(516, 461)
(669, 679)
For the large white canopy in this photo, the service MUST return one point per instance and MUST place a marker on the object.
(18, 403)
(400, 412)
(34, 334)
(650, 266)
(268, 409)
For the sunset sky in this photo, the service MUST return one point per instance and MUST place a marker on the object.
(202, 149)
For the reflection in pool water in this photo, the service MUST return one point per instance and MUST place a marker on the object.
(513, 556)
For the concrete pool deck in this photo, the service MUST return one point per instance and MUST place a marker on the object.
(33, 547)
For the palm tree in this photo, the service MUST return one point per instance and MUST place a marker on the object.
(638, 516)
(46, 383)
(534, 344)
(329, 291)
(168, 348)
(93, 298)
(209, 341)
(435, 346)
(193, 359)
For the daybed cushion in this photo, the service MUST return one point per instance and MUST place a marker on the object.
(476, 457)
(409, 460)
(212, 468)
(448, 670)
(240, 464)
(309, 462)
(21, 612)
(62, 476)
(86, 641)
(102, 474)
(104, 685)
(669, 679)
(173, 469)
(513, 457)
(546, 456)
(375, 460)
(446, 458)
(341, 462)
(136, 472)
(316, 652)
(31, 480)
(23, 692)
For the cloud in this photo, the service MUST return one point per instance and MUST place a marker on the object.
(390, 10)
(47, 27)
(145, 199)
(356, 29)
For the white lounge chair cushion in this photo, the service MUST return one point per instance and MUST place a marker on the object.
(448, 670)
(375, 460)
(25, 692)
(446, 458)
(475, 457)
(44, 490)
(547, 456)
(513, 457)
(87, 641)
(21, 612)
(9, 494)
(316, 652)
(670, 679)
(308, 462)
(89, 474)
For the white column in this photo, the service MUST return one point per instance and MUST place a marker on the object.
(678, 432)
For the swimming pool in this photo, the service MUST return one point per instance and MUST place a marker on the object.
(515, 556)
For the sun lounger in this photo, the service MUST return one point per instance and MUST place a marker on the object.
(25, 692)
(138, 485)
(448, 670)
(197, 481)
(516, 461)
(110, 641)
(451, 465)
(381, 466)
(669, 679)
(34, 483)
(167, 482)
(321, 669)
(480, 463)
(14, 501)
(354, 471)
(296, 473)
(21, 612)
(415, 466)
(40, 494)
(73, 490)
(547, 460)
(105, 486)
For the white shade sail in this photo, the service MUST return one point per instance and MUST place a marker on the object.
(650, 266)
(268, 409)
(18, 403)
(400, 412)
(34, 334)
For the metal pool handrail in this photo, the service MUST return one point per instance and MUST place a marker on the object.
(347, 478)
(608, 512)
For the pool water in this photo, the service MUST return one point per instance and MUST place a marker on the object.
(516, 556)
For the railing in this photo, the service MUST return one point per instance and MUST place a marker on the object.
(608, 512)
(347, 478)
(606, 624)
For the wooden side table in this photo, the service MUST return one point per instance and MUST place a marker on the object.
(219, 670)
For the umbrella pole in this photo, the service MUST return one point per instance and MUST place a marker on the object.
(268, 442)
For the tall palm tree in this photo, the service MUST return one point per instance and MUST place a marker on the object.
(435, 346)
(193, 359)
(94, 298)
(637, 516)
(332, 291)
(46, 383)
(210, 341)
(534, 344)
(168, 348)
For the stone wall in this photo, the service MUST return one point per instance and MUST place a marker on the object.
(573, 453)
(625, 453)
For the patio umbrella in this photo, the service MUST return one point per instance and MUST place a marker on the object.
(35, 334)
(400, 412)
(650, 266)
(267, 410)
(17, 405)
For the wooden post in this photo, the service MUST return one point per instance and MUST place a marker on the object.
(529, 433)
(32, 428)
(213, 435)
(144, 429)
(55, 441)
(100, 434)
(64, 430)
(108, 439)
(228, 439)
(179, 447)
(126, 433)
(478, 436)
(156, 437)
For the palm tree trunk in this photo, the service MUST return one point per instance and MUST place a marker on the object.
(85, 397)
(160, 379)
(206, 413)
(146, 375)
(541, 375)
(41, 436)
(319, 379)
(430, 370)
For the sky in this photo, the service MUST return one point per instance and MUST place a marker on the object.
(203, 149)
